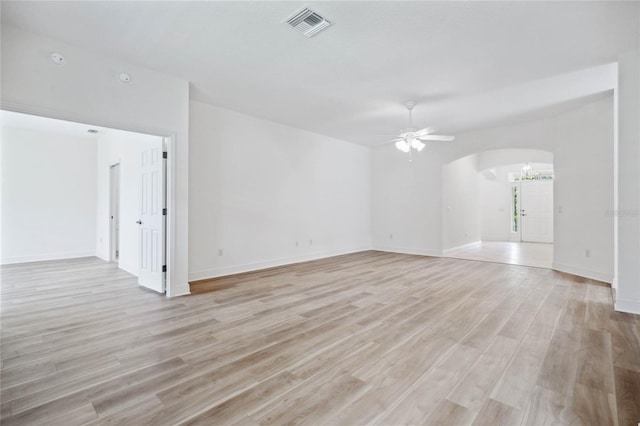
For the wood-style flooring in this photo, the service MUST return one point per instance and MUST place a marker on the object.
(371, 337)
(539, 255)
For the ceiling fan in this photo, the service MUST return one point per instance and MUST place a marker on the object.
(413, 138)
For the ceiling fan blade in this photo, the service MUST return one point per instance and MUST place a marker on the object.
(436, 138)
(425, 131)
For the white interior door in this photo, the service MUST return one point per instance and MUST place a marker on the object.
(152, 219)
(536, 209)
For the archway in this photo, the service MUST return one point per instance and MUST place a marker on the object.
(498, 207)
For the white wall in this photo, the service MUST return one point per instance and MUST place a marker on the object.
(539, 135)
(122, 148)
(407, 201)
(48, 196)
(460, 203)
(628, 209)
(258, 187)
(583, 191)
(85, 89)
(495, 205)
(503, 157)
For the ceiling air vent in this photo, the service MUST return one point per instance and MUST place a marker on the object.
(308, 22)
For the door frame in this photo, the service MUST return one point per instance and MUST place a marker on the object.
(114, 193)
(169, 136)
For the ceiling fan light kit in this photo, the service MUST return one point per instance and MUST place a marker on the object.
(403, 146)
(406, 144)
(413, 138)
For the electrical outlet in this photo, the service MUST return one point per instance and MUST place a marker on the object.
(220, 252)
(587, 253)
(297, 244)
(391, 236)
(310, 242)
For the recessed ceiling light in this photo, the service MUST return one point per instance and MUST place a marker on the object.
(57, 58)
(123, 77)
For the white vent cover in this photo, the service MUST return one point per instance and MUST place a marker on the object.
(308, 22)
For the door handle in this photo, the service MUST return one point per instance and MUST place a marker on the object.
(139, 222)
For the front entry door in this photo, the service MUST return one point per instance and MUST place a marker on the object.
(537, 211)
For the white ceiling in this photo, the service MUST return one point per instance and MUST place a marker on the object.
(49, 125)
(18, 120)
(468, 64)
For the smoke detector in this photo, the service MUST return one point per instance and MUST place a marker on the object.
(123, 77)
(57, 58)
(308, 22)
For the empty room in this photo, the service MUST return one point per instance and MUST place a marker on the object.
(322, 213)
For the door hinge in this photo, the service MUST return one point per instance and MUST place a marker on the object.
(164, 212)
(164, 268)
(164, 154)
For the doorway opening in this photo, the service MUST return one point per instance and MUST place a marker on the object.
(516, 216)
(107, 197)
(531, 200)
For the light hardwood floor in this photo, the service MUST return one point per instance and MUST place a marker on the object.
(539, 255)
(364, 338)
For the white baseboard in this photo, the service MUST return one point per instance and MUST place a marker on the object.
(496, 238)
(448, 251)
(614, 292)
(47, 256)
(593, 275)
(101, 256)
(129, 268)
(180, 290)
(630, 306)
(255, 266)
(403, 250)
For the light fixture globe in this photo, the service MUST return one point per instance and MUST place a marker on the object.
(403, 146)
(417, 145)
